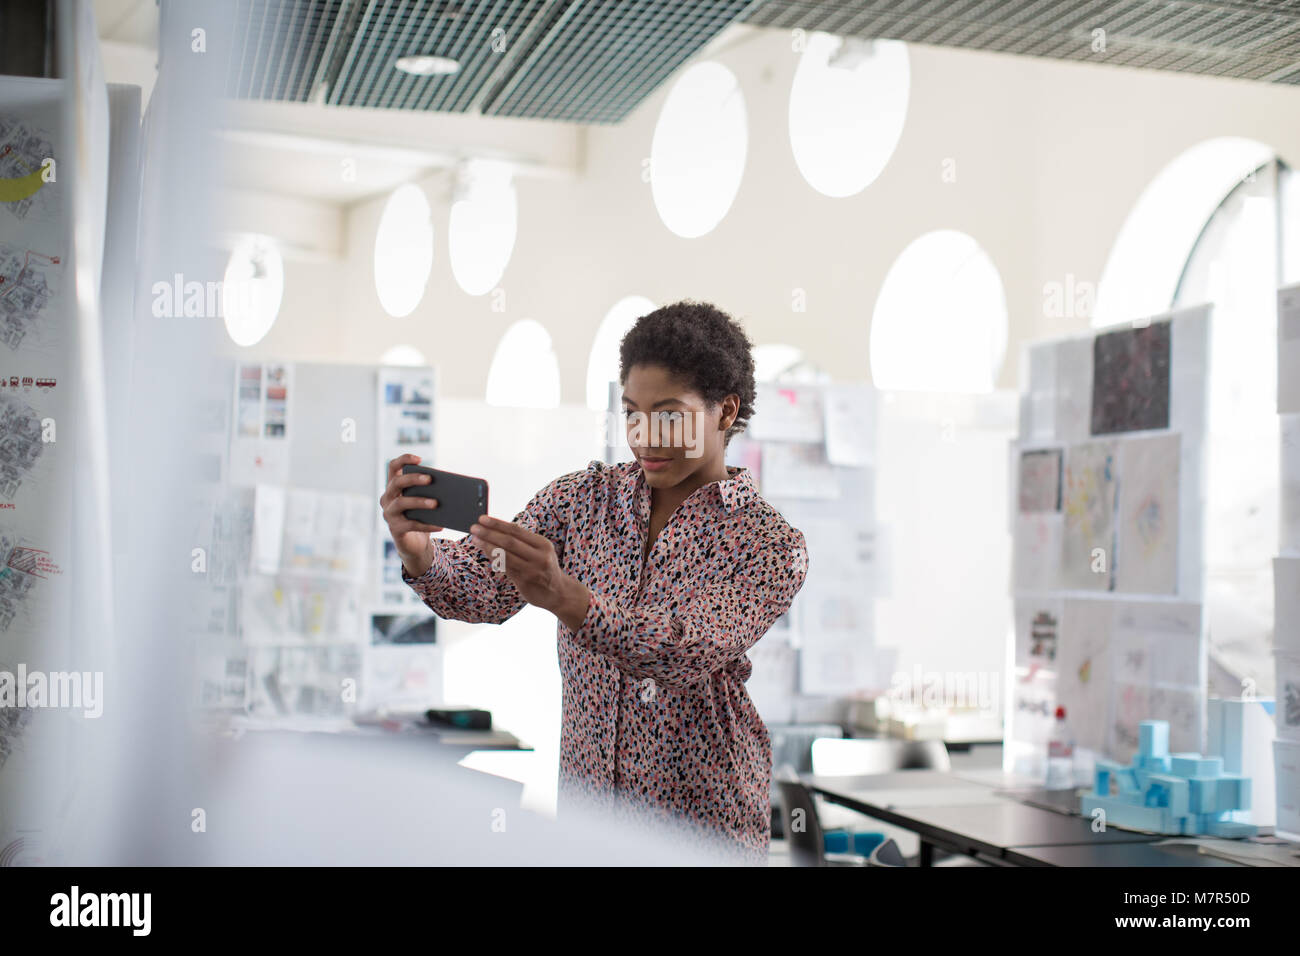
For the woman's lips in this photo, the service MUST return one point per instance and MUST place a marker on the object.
(655, 464)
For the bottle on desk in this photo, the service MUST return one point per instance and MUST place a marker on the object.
(1060, 755)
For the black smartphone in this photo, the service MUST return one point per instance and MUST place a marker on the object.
(461, 499)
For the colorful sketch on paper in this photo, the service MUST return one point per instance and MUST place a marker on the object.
(1146, 555)
(29, 282)
(1182, 708)
(1158, 643)
(1040, 480)
(25, 149)
(1132, 706)
(1037, 551)
(1037, 627)
(1130, 380)
(1083, 670)
(1290, 693)
(1091, 481)
(1156, 663)
(1033, 709)
(21, 444)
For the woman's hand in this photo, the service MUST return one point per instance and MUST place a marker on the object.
(411, 537)
(529, 561)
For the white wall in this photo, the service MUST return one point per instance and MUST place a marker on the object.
(1050, 157)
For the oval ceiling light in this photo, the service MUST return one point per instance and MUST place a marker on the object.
(403, 251)
(427, 65)
(252, 289)
(697, 156)
(483, 225)
(848, 104)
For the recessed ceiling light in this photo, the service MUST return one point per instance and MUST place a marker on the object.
(427, 65)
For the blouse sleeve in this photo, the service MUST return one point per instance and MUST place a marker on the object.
(461, 584)
(683, 644)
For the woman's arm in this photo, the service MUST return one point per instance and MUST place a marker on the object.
(465, 584)
(683, 645)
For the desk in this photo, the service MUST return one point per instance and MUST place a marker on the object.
(451, 738)
(960, 815)
(990, 830)
(1125, 854)
(973, 814)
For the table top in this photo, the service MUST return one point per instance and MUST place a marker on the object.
(1112, 854)
(978, 818)
(904, 788)
(1062, 801)
(455, 738)
(895, 780)
(992, 828)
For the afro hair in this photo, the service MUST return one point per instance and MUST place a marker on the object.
(701, 344)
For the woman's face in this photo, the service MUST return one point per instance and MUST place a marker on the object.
(671, 429)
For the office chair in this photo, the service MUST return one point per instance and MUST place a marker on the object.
(810, 845)
(848, 757)
(792, 745)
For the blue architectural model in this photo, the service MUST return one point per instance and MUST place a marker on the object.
(1186, 794)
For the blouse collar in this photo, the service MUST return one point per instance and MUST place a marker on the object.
(729, 494)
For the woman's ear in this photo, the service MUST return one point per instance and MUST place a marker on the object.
(730, 409)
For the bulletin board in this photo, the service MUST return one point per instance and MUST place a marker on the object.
(44, 593)
(305, 611)
(1107, 528)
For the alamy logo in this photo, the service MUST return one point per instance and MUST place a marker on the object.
(102, 909)
(70, 689)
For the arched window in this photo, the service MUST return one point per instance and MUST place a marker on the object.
(773, 359)
(403, 355)
(940, 322)
(697, 157)
(403, 251)
(602, 365)
(524, 371)
(1237, 261)
(847, 109)
(1150, 253)
(779, 362)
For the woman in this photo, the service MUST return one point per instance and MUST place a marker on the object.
(662, 573)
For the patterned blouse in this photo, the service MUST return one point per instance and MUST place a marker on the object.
(656, 723)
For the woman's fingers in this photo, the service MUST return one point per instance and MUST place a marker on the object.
(410, 502)
(399, 482)
(403, 503)
(398, 523)
(488, 539)
(408, 525)
(398, 463)
(517, 531)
